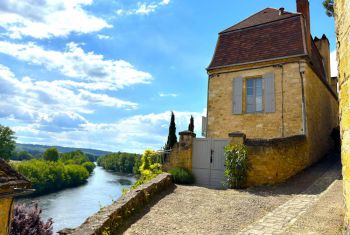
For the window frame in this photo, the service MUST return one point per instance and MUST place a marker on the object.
(254, 79)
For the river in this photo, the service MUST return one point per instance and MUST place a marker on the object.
(70, 207)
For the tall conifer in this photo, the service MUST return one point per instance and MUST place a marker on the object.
(191, 125)
(172, 139)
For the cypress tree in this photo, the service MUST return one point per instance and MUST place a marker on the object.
(191, 125)
(172, 139)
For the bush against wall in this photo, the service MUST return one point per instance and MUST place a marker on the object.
(27, 221)
(181, 176)
(237, 165)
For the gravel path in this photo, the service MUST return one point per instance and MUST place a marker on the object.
(198, 210)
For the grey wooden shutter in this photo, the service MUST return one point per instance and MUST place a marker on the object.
(237, 95)
(269, 88)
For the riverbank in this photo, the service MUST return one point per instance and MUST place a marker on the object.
(70, 207)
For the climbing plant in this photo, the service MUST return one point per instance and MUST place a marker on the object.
(237, 165)
(329, 5)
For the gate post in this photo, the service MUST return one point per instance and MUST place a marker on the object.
(181, 154)
(237, 138)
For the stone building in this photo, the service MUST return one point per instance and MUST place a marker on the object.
(342, 17)
(270, 83)
(11, 184)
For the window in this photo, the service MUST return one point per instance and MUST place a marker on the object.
(257, 99)
(254, 101)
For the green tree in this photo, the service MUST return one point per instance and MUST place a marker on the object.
(21, 155)
(51, 154)
(329, 5)
(191, 125)
(7, 142)
(172, 139)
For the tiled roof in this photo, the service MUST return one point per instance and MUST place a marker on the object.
(9, 178)
(265, 16)
(276, 39)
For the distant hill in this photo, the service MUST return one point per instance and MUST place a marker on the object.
(36, 149)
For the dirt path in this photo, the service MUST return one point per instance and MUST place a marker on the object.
(197, 210)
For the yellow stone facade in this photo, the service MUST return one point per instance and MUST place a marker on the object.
(5, 215)
(342, 16)
(315, 118)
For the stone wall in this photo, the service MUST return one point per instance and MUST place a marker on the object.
(6, 205)
(275, 160)
(285, 121)
(113, 218)
(342, 16)
(181, 154)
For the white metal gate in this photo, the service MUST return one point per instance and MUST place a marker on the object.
(208, 161)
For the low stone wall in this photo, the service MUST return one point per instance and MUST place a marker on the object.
(111, 219)
(181, 154)
(273, 161)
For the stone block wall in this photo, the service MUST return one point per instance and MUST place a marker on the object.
(181, 154)
(342, 17)
(285, 121)
(275, 160)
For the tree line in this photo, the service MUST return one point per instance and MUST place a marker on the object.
(121, 162)
(56, 171)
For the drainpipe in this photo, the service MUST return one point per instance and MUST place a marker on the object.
(303, 107)
(282, 87)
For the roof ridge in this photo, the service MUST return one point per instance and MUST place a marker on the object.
(265, 23)
(232, 28)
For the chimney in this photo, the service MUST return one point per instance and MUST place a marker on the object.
(281, 11)
(322, 45)
(303, 7)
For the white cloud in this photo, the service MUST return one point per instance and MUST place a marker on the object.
(133, 134)
(334, 64)
(103, 37)
(47, 105)
(162, 94)
(143, 8)
(93, 71)
(48, 18)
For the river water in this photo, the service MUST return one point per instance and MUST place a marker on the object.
(70, 207)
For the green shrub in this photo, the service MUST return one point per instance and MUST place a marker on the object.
(76, 174)
(181, 176)
(89, 166)
(49, 176)
(150, 167)
(237, 165)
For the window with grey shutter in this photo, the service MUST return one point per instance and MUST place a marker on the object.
(237, 95)
(269, 88)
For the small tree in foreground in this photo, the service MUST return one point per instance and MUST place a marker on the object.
(27, 221)
(191, 125)
(172, 139)
(51, 154)
(7, 142)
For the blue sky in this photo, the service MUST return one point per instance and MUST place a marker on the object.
(105, 74)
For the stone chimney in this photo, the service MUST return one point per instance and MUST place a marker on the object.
(323, 47)
(303, 7)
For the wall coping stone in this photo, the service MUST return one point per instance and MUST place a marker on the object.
(187, 133)
(113, 218)
(237, 134)
(270, 142)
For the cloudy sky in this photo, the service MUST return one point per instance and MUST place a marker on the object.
(105, 74)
